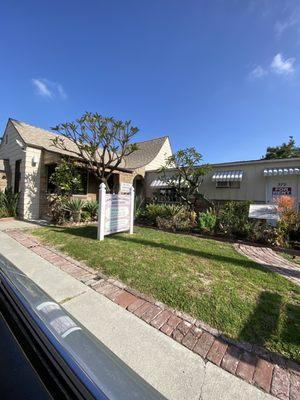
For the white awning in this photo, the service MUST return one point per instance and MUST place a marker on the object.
(282, 171)
(227, 176)
(159, 184)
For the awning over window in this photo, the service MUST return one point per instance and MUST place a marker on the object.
(228, 176)
(282, 171)
(159, 184)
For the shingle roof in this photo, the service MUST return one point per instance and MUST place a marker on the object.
(38, 137)
(147, 151)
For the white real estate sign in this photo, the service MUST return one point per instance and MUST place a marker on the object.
(115, 212)
(264, 211)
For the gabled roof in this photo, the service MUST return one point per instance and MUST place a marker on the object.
(147, 151)
(38, 137)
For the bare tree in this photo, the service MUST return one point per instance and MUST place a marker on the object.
(102, 143)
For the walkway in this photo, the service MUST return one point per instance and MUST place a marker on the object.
(271, 260)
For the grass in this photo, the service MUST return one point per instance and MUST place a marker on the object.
(289, 257)
(203, 277)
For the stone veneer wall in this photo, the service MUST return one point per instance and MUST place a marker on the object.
(3, 181)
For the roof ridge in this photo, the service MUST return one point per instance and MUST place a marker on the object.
(152, 140)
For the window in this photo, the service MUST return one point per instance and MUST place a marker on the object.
(167, 195)
(228, 184)
(83, 175)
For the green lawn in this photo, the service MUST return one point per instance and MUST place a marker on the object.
(289, 257)
(203, 277)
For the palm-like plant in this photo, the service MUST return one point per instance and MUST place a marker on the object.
(10, 201)
(92, 208)
(75, 207)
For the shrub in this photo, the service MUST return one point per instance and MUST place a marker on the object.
(288, 227)
(91, 207)
(177, 218)
(207, 221)
(3, 213)
(233, 219)
(152, 211)
(57, 208)
(9, 202)
(85, 216)
(74, 207)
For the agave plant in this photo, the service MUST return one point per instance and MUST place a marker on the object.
(75, 207)
(91, 207)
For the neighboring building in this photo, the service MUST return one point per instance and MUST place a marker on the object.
(30, 157)
(258, 181)
(3, 181)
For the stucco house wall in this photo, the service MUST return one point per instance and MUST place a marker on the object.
(3, 181)
(161, 158)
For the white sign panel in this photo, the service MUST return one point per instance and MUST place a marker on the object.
(115, 212)
(263, 211)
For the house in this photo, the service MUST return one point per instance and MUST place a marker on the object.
(29, 157)
(258, 181)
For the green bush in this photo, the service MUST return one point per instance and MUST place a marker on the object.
(75, 208)
(3, 213)
(85, 216)
(9, 202)
(57, 205)
(207, 221)
(176, 218)
(233, 219)
(166, 216)
(91, 207)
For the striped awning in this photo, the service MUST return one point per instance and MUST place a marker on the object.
(282, 171)
(227, 176)
(157, 183)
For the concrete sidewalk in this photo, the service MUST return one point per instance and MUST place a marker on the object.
(174, 370)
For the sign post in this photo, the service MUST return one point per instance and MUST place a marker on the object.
(101, 211)
(131, 209)
(115, 213)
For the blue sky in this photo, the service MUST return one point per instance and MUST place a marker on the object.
(220, 75)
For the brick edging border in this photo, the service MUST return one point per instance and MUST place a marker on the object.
(266, 370)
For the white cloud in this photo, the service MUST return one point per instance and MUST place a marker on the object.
(258, 72)
(48, 89)
(282, 66)
(41, 88)
(281, 26)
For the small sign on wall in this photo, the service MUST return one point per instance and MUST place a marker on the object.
(115, 212)
(125, 187)
(281, 191)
